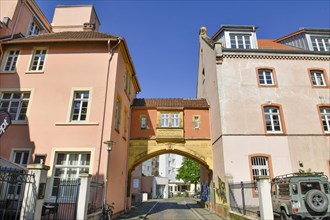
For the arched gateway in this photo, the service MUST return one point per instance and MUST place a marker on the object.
(168, 126)
(176, 126)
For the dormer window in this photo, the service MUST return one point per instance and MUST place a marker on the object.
(34, 29)
(320, 43)
(240, 41)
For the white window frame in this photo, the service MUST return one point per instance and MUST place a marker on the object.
(317, 78)
(38, 56)
(272, 114)
(81, 100)
(117, 113)
(259, 166)
(14, 152)
(319, 42)
(196, 121)
(143, 121)
(128, 84)
(11, 60)
(165, 120)
(34, 28)
(244, 40)
(78, 167)
(264, 73)
(19, 100)
(325, 118)
(175, 120)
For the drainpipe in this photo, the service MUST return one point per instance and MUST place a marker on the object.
(110, 51)
(19, 13)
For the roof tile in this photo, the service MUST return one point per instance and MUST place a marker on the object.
(171, 102)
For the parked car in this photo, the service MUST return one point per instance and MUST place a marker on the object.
(301, 196)
(197, 195)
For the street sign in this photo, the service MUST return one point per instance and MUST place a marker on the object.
(5, 121)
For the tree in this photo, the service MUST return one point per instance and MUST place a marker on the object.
(189, 171)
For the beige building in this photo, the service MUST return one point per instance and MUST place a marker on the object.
(67, 94)
(270, 101)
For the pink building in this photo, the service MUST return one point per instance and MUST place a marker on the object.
(67, 94)
(21, 18)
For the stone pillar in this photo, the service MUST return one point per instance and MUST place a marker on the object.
(34, 193)
(83, 198)
(265, 198)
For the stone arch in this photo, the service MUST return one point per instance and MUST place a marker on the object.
(142, 150)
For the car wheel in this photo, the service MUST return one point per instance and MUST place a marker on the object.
(284, 216)
(317, 201)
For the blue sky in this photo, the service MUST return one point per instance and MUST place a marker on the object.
(162, 36)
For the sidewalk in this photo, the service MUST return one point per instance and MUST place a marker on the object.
(203, 213)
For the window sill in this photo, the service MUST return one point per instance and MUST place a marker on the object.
(19, 122)
(8, 72)
(275, 133)
(267, 86)
(320, 87)
(75, 123)
(34, 72)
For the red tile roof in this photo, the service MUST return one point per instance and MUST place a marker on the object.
(270, 44)
(171, 102)
(67, 36)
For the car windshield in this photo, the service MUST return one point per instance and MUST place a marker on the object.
(306, 186)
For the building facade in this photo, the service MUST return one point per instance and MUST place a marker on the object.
(270, 101)
(164, 129)
(67, 94)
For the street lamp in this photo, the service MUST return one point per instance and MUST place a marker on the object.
(109, 148)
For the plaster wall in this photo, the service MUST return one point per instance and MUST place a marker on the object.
(238, 165)
(241, 98)
(64, 18)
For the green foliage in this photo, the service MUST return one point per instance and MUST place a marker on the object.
(189, 171)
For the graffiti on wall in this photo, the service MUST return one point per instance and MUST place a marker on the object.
(205, 192)
(221, 191)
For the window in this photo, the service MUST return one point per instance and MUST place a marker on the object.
(117, 112)
(10, 64)
(320, 43)
(272, 119)
(175, 120)
(325, 117)
(170, 120)
(318, 78)
(125, 121)
(16, 103)
(266, 77)
(128, 84)
(259, 165)
(69, 166)
(21, 157)
(240, 41)
(196, 121)
(40, 158)
(143, 122)
(165, 120)
(38, 60)
(34, 29)
(80, 106)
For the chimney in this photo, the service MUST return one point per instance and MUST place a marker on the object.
(89, 27)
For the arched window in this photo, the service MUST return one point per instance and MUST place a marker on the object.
(266, 77)
(324, 111)
(318, 78)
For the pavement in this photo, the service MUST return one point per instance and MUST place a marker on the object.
(141, 211)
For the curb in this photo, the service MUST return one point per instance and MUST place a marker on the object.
(145, 216)
(200, 217)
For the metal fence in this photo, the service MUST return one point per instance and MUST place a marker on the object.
(12, 185)
(95, 196)
(244, 198)
(65, 205)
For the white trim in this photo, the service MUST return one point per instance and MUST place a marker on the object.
(5, 59)
(70, 109)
